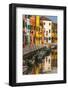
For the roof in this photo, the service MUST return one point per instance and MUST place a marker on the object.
(44, 18)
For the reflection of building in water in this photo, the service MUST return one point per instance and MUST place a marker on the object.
(47, 64)
(54, 57)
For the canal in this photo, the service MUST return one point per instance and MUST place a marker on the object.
(42, 60)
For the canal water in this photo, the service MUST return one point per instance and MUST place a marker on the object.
(40, 61)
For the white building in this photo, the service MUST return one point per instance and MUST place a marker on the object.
(28, 30)
(47, 64)
(47, 25)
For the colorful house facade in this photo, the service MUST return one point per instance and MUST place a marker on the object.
(47, 31)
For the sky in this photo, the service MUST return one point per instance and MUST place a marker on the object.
(53, 18)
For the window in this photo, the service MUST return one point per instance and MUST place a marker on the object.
(46, 39)
(52, 38)
(28, 27)
(46, 59)
(49, 23)
(55, 53)
(46, 32)
(49, 38)
(49, 60)
(48, 68)
(49, 30)
(44, 23)
(56, 38)
(52, 53)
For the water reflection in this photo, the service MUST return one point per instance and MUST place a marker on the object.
(41, 61)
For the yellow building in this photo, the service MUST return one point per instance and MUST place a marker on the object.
(39, 32)
(37, 35)
(41, 35)
(37, 21)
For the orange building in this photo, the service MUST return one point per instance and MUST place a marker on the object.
(32, 20)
